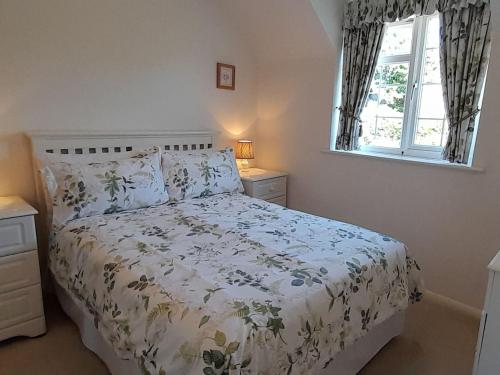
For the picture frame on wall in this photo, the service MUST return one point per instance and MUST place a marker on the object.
(226, 75)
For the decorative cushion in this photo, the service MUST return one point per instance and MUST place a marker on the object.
(192, 175)
(108, 187)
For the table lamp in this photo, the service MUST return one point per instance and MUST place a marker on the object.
(244, 151)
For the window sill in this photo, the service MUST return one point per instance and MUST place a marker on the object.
(406, 159)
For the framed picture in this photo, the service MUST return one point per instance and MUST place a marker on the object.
(226, 76)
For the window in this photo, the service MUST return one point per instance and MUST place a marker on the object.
(405, 112)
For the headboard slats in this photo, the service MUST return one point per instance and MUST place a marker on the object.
(71, 143)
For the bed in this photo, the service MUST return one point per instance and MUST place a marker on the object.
(226, 283)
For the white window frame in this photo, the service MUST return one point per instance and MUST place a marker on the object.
(413, 95)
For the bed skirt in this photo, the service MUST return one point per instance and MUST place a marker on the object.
(348, 362)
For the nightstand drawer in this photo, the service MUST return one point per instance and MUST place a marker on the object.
(20, 306)
(270, 188)
(17, 235)
(18, 271)
(280, 201)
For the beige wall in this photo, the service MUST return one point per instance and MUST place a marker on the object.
(449, 219)
(116, 65)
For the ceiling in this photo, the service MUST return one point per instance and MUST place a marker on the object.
(280, 30)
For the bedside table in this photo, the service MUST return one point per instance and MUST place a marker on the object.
(21, 305)
(263, 184)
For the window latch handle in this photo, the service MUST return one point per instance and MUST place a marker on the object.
(414, 87)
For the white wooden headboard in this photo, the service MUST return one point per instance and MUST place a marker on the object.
(84, 143)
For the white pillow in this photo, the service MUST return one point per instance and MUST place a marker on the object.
(48, 183)
(101, 188)
(199, 174)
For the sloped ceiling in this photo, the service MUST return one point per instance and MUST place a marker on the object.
(280, 30)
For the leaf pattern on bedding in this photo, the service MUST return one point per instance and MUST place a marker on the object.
(231, 285)
(107, 187)
(200, 174)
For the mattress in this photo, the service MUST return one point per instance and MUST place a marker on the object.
(230, 284)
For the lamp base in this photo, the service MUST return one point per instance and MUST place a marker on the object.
(245, 166)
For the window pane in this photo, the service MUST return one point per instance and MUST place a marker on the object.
(383, 132)
(397, 40)
(384, 111)
(432, 102)
(431, 126)
(392, 101)
(432, 37)
(446, 131)
(432, 69)
(429, 132)
(391, 74)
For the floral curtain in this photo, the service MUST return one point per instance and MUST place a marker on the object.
(465, 52)
(362, 47)
(359, 12)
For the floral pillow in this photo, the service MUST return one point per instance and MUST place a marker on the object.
(108, 187)
(192, 175)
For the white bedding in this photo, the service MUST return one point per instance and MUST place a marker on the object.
(230, 284)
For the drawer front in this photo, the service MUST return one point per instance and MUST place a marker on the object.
(280, 201)
(18, 271)
(272, 188)
(21, 305)
(17, 235)
(30, 328)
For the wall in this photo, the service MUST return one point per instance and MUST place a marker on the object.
(116, 65)
(449, 219)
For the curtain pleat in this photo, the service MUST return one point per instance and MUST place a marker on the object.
(362, 47)
(465, 51)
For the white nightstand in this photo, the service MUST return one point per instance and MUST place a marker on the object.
(263, 184)
(21, 305)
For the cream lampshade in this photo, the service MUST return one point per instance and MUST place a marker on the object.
(244, 151)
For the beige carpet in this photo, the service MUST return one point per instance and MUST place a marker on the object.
(436, 341)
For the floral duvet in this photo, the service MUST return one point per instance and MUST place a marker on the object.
(229, 284)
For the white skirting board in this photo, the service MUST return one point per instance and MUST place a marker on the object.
(452, 304)
(348, 362)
